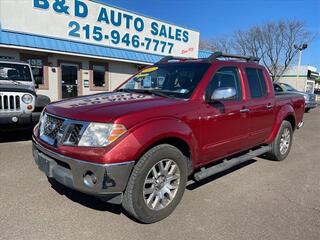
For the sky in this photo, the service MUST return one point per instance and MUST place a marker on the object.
(221, 18)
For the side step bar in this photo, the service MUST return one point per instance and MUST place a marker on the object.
(226, 164)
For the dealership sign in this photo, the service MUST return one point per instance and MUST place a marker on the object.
(96, 23)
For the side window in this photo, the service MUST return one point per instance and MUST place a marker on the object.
(277, 88)
(257, 83)
(225, 77)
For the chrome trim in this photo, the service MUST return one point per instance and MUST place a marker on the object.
(63, 158)
(110, 178)
(244, 110)
(300, 124)
(66, 123)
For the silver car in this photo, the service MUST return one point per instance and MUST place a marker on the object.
(310, 99)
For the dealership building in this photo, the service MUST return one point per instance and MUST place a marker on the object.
(80, 47)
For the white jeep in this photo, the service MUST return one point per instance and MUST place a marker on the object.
(19, 103)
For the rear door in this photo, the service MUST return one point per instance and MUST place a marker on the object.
(261, 106)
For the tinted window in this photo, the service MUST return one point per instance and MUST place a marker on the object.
(37, 69)
(257, 83)
(173, 79)
(99, 72)
(225, 77)
(16, 72)
(262, 82)
(277, 88)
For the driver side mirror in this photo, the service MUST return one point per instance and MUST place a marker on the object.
(223, 93)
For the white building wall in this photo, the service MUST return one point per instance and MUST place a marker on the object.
(300, 83)
(118, 71)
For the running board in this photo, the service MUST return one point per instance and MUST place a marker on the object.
(226, 164)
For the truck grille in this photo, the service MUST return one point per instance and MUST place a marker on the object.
(51, 126)
(312, 97)
(55, 130)
(9, 103)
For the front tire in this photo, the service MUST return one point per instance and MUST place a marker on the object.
(281, 145)
(306, 110)
(156, 184)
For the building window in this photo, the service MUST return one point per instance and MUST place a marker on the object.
(39, 69)
(99, 77)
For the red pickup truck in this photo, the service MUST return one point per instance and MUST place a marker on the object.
(176, 120)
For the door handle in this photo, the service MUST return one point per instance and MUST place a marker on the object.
(244, 110)
(269, 106)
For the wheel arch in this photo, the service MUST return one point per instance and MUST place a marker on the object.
(177, 142)
(286, 113)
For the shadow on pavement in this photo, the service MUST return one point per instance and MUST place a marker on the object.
(15, 135)
(194, 185)
(84, 199)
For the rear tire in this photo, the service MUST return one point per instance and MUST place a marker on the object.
(148, 198)
(281, 145)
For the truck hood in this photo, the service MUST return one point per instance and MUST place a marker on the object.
(8, 86)
(106, 107)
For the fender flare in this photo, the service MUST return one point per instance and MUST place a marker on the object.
(282, 114)
(145, 134)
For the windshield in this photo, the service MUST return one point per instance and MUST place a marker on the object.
(15, 72)
(287, 87)
(173, 80)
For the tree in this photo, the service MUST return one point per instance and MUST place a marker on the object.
(272, 42)
(221, 44)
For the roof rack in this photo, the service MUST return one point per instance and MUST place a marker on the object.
(168, 58)
(211, 58)
(217, 55)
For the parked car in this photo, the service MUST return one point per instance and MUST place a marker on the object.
(310, 99)
(177, 119)
(20, 106)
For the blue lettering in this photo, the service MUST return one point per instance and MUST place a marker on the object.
(60, 7)
(154, 28)
(43, 4)
(113, 19)
(178, 34)
(163, 32)
(138, 24)
(171, 36)
(81, 9)
(127, 18)
(103, 16)
(185, 36)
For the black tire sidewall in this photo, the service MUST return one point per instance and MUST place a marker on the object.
(279, 156)
(142, 211)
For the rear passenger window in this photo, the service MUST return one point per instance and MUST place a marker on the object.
(226, 77)
(257, 83)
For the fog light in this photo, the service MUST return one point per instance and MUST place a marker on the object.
(29, 107)
(89, 179)
(14, 119)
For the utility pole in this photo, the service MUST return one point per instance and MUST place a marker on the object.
(299, 49)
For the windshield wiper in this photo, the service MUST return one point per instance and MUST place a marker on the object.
(127, 90)
(15, 81)
(145, 91)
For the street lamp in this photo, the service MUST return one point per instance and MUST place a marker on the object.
(299, 48)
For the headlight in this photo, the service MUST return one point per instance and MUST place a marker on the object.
(306, 97)
(27, 98)
(42, 120)
(101, 134)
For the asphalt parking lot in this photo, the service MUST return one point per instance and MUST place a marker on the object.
(258, 200)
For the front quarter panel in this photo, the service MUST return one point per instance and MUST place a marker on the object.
(141, 137)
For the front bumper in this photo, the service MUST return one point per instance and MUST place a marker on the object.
(111, 179)
(16, 118)
(311, 104)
